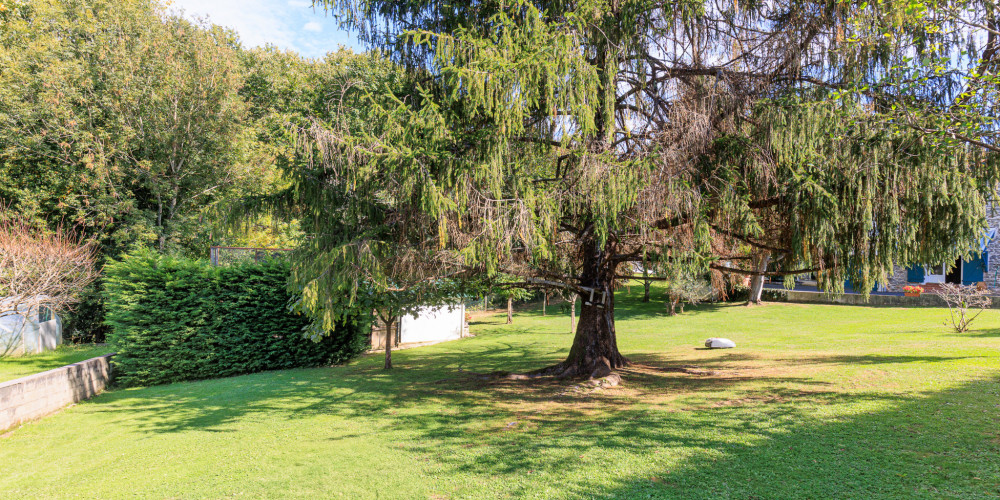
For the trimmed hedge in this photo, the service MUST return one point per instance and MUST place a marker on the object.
(176, 319)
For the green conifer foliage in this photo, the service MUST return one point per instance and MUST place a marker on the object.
(564, 141)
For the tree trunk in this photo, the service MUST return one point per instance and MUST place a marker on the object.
(572, 315)
(389, 339)
(594, 352)
(545, 302)
(757, 281)
(159, 222)
(510, 310)
(645, 282)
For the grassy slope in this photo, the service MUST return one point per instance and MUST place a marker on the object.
(21, 366)
(816, 402)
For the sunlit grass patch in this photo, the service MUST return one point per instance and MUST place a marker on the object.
(815, 402)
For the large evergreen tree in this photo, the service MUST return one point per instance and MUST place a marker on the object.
(561, 141)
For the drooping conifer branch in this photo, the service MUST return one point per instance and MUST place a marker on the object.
(553, 138)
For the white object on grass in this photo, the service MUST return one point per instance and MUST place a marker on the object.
(717, 343)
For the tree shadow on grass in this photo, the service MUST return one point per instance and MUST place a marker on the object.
(453, 378)
(986, 333)
(875, 359)
(935, 445)
(740, 436)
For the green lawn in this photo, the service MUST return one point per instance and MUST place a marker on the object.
(20, 366)
(816, 402)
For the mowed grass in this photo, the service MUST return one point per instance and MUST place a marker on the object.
(22, 366)
(816, 402)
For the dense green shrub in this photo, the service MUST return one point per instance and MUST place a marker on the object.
(178, 319)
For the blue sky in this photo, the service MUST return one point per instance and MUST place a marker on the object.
(288, 24)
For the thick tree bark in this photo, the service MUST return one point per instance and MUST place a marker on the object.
(572, 315)
(645, 282)
(389, 339)
(510, 310)
(595, 346)
(757, 281)
(594, 352)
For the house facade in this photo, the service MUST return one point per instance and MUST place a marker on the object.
(979, 268)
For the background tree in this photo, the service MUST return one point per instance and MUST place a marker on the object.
(559, 141)
(174, 98)
(290, 99)
(760, 261)
(507, 287)
(686, 288)
(645, 278)
(126, 121)
(121, 119)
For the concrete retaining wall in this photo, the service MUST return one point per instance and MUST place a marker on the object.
(38, 395)
(924, 300)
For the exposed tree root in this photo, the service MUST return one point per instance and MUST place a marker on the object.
(599, 373)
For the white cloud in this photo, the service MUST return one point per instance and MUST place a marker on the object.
(287, 24)
(257, 22)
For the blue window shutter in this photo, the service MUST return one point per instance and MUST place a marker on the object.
(915, 274)
(973, 270)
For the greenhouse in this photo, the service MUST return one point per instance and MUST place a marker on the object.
(28, 332)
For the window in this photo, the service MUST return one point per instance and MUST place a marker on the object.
(44, 314)
(935, 273)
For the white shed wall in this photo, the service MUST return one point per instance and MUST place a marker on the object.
(433, 324)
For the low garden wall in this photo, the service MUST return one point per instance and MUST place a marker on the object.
(38, 395)
(924, 300)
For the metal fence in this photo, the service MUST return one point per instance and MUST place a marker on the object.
(225, 256)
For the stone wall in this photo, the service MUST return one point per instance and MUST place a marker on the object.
(993, 266)
(38, 395)
(897, 280)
